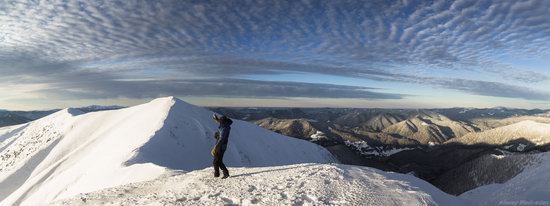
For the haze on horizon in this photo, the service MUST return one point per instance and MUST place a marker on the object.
(334, 53)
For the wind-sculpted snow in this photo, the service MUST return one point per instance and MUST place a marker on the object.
(23, 147)
(68, 152)
(300, 184)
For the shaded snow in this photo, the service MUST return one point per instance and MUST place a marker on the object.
(302, 184)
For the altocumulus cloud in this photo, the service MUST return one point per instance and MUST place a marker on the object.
(138, 49)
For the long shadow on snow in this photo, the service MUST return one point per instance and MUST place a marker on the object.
(271, 170)
(170, 146)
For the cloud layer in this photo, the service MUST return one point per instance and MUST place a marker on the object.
(142, 49)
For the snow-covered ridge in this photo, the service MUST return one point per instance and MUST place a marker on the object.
(68, 152)
(299, 184)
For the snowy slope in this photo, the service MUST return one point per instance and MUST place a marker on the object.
(69, 152)
(530, 187)
(535, 133)
(301, 184)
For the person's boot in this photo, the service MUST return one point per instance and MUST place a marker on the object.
(217, 173)
(225, 174)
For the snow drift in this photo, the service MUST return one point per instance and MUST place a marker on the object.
(69, 152)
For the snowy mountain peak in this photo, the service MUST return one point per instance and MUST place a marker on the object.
(68, 152)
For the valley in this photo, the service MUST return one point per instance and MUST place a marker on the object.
(462, 152)
(437, 145)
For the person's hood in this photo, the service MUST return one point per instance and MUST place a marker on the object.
(223, 120)
(226, 122)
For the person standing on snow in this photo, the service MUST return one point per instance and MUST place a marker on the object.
(222, 138)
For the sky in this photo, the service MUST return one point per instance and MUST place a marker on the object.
(285, 53)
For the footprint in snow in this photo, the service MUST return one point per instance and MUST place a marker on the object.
(254, 201)
(214, 195)
(228, 201)
(283, 195)
(182, 199)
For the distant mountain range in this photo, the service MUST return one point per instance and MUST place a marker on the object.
(438, 145)
(455, 149)
(159, 153)
(399, 127)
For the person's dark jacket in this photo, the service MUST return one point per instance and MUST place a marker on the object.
(223, 137)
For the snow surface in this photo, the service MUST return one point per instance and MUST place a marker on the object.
(530, 187)
(300, 184)
(68, 152)
(318, 135)
(159, 153)
(365, 149)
